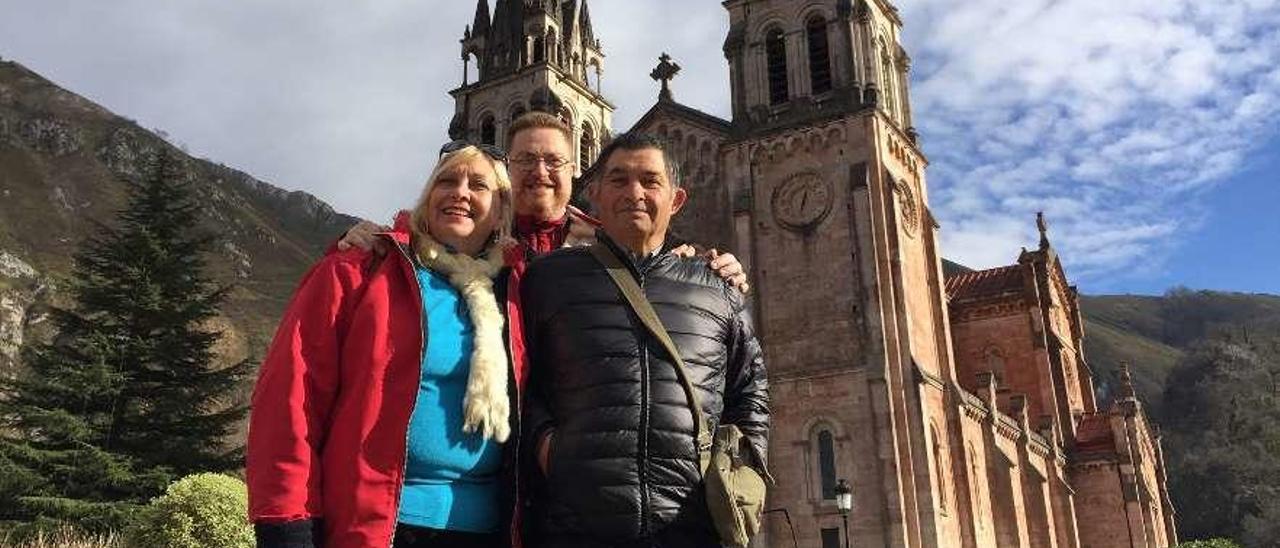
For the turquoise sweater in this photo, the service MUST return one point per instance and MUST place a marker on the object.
(451, 479)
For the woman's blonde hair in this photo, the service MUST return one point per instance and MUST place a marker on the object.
(503, 207)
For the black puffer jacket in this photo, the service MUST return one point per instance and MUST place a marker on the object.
(623, 465)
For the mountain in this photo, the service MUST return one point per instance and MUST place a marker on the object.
(64, 166)
(1154, 333)
(65, 161)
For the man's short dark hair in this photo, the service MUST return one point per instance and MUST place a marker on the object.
(633, 140)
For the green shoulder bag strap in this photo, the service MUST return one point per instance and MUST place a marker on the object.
(631, 290)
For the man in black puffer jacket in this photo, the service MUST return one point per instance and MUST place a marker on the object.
(606, 417)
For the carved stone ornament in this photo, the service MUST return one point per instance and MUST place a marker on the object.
(802, 201)
(909, 207)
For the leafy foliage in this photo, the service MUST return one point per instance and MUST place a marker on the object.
(1216, 542)
(1206, 365)
(1223, 442)
(199, 511)
(124, 398)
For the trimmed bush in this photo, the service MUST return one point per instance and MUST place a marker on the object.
(1210, 543)
(198, 511)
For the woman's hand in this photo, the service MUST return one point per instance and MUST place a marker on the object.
(362, 235)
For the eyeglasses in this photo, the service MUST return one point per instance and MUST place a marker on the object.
(497, 154)
(528, 162)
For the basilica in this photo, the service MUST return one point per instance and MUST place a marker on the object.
(957, 406)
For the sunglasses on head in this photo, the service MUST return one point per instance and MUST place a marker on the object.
(494, 152)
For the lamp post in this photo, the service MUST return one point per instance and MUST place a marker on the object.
(844, 501)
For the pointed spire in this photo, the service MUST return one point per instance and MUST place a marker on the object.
(514, 20)
(588, 35)
(1126, 383)
(568, 9)
(568, 29)
(507, 35)
(480, 26)
(1043, 225)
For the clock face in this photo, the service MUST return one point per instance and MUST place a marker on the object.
(802, 201)
(910, 211)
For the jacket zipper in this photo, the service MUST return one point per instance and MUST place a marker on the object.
(404, 459)
(643, 467)
(515, 433)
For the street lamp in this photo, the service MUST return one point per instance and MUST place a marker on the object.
(844, 501)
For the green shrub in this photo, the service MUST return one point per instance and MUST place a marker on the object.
(1210, 543)
(198, 511)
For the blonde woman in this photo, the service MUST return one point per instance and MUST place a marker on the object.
(382, 409)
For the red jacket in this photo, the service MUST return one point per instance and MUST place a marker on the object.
(331, 408)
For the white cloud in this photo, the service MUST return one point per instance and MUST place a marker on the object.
(1115, 118)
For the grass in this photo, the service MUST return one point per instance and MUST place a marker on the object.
(65, 538)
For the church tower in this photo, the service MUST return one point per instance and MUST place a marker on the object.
(831, 214)
(532, 55)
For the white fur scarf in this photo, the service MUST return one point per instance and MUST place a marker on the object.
(486, 407)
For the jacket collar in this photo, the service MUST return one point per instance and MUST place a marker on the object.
(400, 231)
(633, 260)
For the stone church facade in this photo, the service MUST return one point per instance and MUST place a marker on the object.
(957, 404)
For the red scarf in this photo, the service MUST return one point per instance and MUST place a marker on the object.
(539, 236)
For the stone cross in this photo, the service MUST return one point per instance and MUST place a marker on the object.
(664, 72)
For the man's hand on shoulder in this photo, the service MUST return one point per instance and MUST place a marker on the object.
(362, 236)
(725, 264)
(684, 251)
(729, 268)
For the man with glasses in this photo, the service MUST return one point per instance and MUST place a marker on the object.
(542, 182)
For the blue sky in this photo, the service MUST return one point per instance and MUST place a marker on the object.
(1238, 246)
(1146, 129)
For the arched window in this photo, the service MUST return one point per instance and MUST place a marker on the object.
(516, 112)
(827, 464)
(941, 469)
(819, 55)
(539, 50)
(890, 101)
(488, 132)
(775, 48)
(993, 359)
(553, 53)
(586, 147)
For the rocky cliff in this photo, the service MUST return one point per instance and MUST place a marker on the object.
(64, 166)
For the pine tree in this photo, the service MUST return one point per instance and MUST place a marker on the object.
(126, 397)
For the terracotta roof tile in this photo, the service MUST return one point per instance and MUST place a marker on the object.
(983, 283)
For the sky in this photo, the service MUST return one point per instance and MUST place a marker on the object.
(1147, 130)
